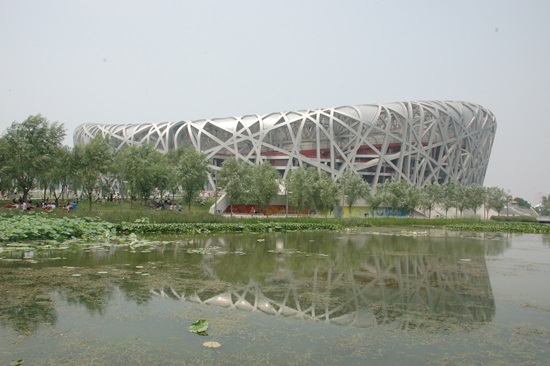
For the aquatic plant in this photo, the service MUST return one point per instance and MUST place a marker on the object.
(42, 227)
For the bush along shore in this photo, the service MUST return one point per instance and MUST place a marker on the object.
(44, 226)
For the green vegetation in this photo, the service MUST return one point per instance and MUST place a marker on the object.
(199, 327)
(227, 227)
(28, 151)
(41, 227)
(62, 225)
(544, 209)
(514, 218)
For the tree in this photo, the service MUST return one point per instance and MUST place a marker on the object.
(90, 162)
(265, 183)
(496, 199)
(164, 171)
(353, 187)
(376, 198)
(301, 183)
(141, 169)
(475, 196)
(521, 202)
(58, 174)
(173, 157)
(325, 193)
(394, 192)
(28, 149)
(545, 206)
(193, 174)
(461, 198)
(235, 179)
(400, 194)
(411, 198)
(448, 195)
(430, 196)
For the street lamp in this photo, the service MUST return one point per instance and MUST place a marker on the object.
(121, 188)
(215, 192)
(508, 199)
(285, 182)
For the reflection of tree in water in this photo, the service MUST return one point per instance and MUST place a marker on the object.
(25, 309)
(26, 304)
(94, 295)
(136, 291)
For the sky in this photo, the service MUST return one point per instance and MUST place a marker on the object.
(135, 61)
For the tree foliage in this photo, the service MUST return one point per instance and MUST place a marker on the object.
(449, 195)
(326, 193)
(265, 183)
(376, 198)
(496, 199)
(142, 165)
(60, 174)
(474, 196)
(300, 188)
(430, 196)
(545, 206)
(235, 178)
(28, 150)
(90, 162)
(353, 188)
(193, 174)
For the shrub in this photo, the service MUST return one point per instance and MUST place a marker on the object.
(514, 218)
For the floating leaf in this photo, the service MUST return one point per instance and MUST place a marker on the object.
(211, 344)
(200, 326)
(19, 362)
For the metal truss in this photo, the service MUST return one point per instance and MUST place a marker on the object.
(419, 141)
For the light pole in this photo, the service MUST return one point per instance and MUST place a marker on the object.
(508, 199)
(286, 196)
(122, 188)
(215, 192)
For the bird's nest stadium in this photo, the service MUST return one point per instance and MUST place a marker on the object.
(418, 141)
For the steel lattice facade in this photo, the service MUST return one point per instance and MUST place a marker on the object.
(420, 141)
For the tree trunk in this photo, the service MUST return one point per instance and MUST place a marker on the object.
(26, 194)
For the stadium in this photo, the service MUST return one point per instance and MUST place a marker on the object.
(418, 141)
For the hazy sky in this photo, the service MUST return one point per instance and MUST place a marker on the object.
(133, 61)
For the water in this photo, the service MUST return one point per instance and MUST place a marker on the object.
(380, 296)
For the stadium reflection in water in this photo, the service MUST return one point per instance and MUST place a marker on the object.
(400, 279)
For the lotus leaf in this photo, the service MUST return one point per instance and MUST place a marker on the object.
(211, 344)
(200, 326)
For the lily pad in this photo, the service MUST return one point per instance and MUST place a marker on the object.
(211, 344)
(200, 326)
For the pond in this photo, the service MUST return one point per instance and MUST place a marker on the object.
(371, 296)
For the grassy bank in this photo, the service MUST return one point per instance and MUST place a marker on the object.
(16, 225)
